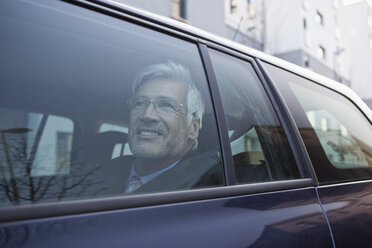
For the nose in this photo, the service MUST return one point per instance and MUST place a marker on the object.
(149, 112)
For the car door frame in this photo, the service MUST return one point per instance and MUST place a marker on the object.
(55, 209)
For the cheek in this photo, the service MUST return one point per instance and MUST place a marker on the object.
(179, 127)
(132, 117)
(132, 120)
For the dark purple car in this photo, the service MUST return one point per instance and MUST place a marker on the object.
(120, 128)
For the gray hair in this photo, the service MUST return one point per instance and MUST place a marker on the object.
(179, 73)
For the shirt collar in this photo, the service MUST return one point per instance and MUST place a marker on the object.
(147, 178)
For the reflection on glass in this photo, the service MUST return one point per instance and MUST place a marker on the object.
(345, 137)
(339, 145)
(71, 139)
(38, 142)
(32, 147)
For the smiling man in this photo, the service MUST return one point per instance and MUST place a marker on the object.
(166, 113)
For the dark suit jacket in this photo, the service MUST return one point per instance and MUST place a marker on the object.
(193, 171)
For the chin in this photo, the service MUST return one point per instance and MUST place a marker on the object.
(148, 153)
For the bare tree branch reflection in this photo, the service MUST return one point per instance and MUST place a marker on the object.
(19, 185)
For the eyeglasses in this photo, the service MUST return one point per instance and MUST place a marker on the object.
(162, 106)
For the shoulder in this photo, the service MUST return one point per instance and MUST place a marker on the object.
(201, 170)
(111, 178)
(193, 171)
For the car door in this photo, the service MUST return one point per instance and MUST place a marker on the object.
(68, 70)
(338, 138)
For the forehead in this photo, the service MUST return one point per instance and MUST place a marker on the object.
(163, 88)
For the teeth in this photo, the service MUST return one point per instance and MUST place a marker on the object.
(148, 133)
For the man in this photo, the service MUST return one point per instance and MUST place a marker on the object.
(166, 113)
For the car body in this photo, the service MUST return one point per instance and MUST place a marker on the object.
(293, 147)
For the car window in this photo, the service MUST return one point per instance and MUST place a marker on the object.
(94, 106)
(121, 148)
(35, 144)
(337, 135)
(259, 147)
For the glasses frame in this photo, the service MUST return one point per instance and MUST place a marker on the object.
(175, 106)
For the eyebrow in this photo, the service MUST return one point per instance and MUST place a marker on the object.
(160, 97)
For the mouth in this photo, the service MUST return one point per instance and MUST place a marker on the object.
(148, 133)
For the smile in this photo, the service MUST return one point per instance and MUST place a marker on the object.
(148, 133)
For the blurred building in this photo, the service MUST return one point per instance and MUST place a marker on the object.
(355, 20)
(333, 37)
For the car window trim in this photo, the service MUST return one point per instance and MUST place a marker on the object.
(227, 159)
(68, 208)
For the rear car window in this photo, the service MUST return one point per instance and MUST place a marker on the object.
(337, 135)
(94, 106)
(260, 150)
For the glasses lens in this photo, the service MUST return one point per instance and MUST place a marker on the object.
(163, 106)
(136, 103)
(166, 106)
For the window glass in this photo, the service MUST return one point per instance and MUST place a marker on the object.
(122, 147)
(337, 135)
(34, 144)
(259, 148)
(94, 106)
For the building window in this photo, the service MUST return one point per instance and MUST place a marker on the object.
(321, 52)
(338, 33)
(179, 9)
(305, 4)
(233, 6)
(251, 9)
(319, 18)
(306, 61)
(63, 151)
(307, 38)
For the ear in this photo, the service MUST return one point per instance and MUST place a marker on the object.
(194, 129)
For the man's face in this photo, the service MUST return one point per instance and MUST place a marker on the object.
(154, 134)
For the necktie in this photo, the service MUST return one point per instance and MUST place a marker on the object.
(134, 183)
